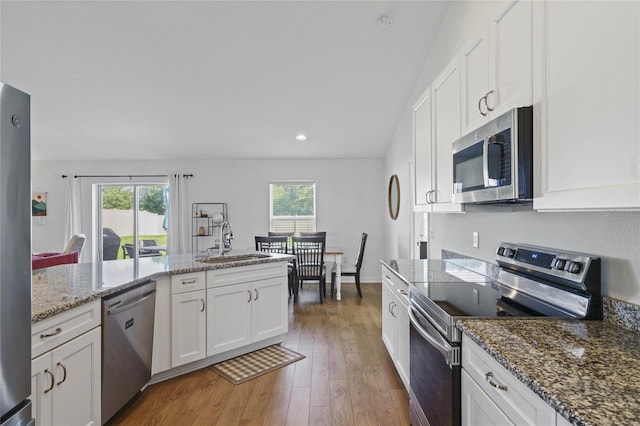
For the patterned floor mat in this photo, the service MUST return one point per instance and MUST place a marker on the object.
(249, 366)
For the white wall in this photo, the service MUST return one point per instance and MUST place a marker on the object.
(350, 197)
(615, 236)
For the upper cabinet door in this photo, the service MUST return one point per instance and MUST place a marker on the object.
(446, 129)
(511, 57)
(497, 65)
(421, 116)
(474, 59)
(590, 156)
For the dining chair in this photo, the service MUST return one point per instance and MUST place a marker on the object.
(350, 270)
(142, 244)
(309, 253)
(279, 244)
(75, 244)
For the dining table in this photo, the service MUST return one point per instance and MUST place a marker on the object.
(334, 254)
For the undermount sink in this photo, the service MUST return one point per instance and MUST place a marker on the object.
(233, 258)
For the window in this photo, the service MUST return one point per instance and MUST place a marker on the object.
(293, 206)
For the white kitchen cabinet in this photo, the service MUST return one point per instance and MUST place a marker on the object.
(241, 314)
(589, 155)
(511, 398)
(422, 137)
(188, 327)
(389, 336)
(229, 317)
(188, 318)
(436, 124)
(246, 305)
(395, 322)
(477, 407)
(497, 67)
(66, 382)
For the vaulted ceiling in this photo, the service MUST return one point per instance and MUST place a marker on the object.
(215, 79)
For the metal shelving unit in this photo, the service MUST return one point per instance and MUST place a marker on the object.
(206, 220)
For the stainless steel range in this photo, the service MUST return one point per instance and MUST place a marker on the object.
(530, 281)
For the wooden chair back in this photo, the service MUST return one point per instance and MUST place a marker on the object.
(272, 244)
(309, 252)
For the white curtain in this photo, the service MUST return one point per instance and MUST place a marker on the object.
(178, 235)
(73, 212)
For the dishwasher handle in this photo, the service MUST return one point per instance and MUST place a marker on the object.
(131, 305)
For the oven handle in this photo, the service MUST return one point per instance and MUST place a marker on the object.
(451, 354)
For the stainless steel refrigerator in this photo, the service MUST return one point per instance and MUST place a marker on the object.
(15, 257)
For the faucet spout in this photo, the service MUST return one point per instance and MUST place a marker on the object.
(225, 238)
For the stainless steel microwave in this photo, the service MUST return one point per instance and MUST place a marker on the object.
(494, 164)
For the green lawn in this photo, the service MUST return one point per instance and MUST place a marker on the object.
(128, 239)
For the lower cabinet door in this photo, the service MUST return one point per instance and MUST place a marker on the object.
(269, 308)
(188, 327)
(66, 382)
(228, 317)
(42, 383)
(477, 408)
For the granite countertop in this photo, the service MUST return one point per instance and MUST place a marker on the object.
(63, 287)
(589, 371)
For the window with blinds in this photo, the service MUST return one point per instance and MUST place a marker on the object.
(293, 206)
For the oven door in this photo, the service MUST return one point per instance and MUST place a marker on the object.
(434, 374)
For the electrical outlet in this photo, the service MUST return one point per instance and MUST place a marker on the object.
(476, 238)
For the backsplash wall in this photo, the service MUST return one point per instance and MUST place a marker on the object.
(613, 236)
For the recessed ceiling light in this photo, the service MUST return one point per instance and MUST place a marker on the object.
(384, 22)
(301, 137)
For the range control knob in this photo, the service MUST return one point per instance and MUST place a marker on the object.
(573, 267)
(560, 264)
(500, 251)
(511, 253)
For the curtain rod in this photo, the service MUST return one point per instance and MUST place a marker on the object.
(190, 175)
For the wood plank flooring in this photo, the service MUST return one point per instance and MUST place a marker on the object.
(347, 377)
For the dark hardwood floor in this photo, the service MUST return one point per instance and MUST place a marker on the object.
(347, 377)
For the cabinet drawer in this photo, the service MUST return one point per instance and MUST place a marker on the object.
(245, 274)
(516, 400)
(399, 286)
(188, 282)
(52, 332)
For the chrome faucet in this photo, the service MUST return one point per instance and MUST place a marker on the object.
(225, 238)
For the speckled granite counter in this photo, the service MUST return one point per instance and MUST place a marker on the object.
(589, 371)
(63, 287)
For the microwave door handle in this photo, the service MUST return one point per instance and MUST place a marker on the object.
(485, 162)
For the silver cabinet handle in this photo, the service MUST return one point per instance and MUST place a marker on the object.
(189, 282)
(64, 373)
(489, 378)
(403, 292)
(249, 293)
(486, 103)
(391, 310)
(53, 380)
(203, 305)
(256, 291)
(482, 113)
(55, 333)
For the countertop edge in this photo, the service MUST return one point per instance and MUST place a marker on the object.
(48, 313)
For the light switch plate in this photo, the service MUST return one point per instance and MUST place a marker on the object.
(476, 240)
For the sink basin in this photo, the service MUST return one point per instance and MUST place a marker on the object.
(232, 258)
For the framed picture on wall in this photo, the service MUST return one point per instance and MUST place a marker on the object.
(39, 204)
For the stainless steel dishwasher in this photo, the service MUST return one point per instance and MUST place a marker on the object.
(127, 344)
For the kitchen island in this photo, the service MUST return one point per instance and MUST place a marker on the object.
(588, 371)
(206, 310)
